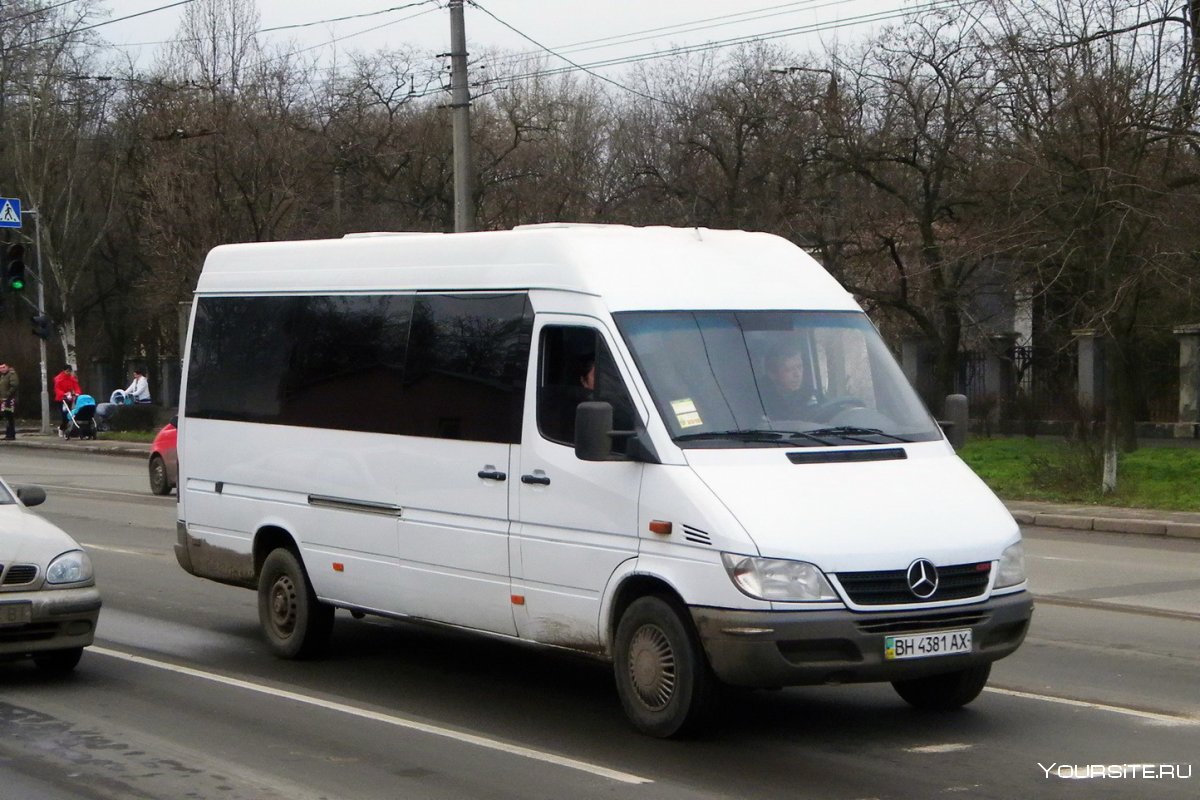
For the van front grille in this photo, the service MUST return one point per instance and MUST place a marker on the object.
(890, 587)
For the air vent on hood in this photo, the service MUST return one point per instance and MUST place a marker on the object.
(837, 456)
(696, 535)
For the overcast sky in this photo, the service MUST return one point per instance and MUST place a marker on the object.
(586, 31)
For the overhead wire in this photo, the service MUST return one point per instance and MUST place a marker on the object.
(720, 21)
(36, 11)
(879, 16)
(569, 61)
(75, 31)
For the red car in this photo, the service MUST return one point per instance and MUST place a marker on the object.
(164, 460)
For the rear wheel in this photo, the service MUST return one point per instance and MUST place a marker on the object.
(159, 482)
(296, 623)
(58, 661)
(662, 675)
(944, 692)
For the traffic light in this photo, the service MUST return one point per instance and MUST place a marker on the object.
(41, 325)
(14, 273)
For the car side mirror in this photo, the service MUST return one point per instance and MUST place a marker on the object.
(593, 431)
(31, 495)
(594, 436)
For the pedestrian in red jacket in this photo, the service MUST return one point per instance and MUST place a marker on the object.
(66, 387)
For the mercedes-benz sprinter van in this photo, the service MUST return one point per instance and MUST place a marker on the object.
(686, 451)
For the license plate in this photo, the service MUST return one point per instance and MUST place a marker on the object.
(16, 613)
(927, 645)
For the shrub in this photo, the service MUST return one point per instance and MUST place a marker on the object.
(143, 417)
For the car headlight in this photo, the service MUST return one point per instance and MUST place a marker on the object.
(71, 567)
(1012, 566)
(778, 579)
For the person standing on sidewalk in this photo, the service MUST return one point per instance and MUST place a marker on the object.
(8, 400)
(66, 388)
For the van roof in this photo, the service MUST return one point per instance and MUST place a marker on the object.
(629, 267)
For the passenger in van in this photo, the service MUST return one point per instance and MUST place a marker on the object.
(786, 393)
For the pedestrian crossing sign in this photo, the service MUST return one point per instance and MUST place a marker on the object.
(10, 212)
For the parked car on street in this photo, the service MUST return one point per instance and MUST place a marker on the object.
(49, 603)
(164, 460)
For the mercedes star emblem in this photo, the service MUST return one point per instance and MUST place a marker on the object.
(922, 578)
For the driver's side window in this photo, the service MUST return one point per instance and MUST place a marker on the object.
(574, 365)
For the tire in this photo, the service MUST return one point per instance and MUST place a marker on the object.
(58, 662)
(944, 692)
(296, 624)
(663, 677)
(159, 482)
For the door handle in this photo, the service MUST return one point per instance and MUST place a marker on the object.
(491, 475)
(540, 480)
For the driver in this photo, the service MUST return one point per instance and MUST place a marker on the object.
(786, 394)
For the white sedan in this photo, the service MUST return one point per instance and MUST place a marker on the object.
(49, 603)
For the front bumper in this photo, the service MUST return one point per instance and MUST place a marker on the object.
(768, 649)
(61, 619)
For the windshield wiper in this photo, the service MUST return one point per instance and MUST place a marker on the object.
(775, 437)
(856, 433)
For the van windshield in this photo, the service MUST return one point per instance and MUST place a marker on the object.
(774, 378)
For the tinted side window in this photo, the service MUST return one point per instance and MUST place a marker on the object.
(465, 374)
(322, 362)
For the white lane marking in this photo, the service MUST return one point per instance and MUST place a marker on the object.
(939, 748)
(118, 492)
(1161, 719)
(1054, 558)
(387, 719)
(123, 551)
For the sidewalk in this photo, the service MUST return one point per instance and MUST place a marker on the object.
(1107, 519)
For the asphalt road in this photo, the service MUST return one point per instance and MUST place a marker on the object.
(180, 697)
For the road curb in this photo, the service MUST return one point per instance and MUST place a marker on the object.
(1079, 522)
(81, 447)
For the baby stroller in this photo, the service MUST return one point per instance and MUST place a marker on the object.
(81, 419)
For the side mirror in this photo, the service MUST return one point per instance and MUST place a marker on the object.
(593, 431)
(31, 495)
(594, 436)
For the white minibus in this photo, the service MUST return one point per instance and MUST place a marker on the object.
(686, 451)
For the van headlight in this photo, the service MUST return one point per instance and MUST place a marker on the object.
(70, 567)
(1012, 566)
(778, 579)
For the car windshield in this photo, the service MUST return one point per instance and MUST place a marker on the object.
(774, 379)
(6, 497)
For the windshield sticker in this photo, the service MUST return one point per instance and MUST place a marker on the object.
(685, 412)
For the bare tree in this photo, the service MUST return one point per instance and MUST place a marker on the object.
(909, 125)
(55, 123)
(1095, 92)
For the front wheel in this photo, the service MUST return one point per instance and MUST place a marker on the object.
(296, 623)
(159, 482)
(944, 692)
(662, 675)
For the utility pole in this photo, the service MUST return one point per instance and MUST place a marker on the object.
(460, 102)
(41, 309)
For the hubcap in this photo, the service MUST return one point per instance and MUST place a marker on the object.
(283, 605)
(652, 667)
